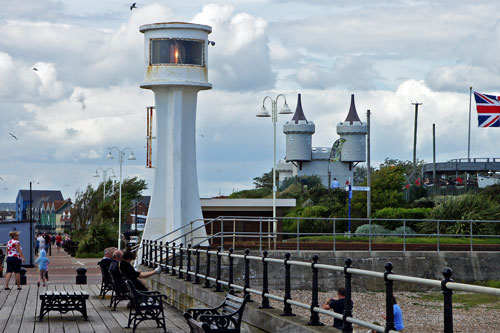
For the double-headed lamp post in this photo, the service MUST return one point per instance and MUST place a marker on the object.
(121, 156)
(274, 114)
(104, 178)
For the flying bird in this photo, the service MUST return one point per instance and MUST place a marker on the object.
(133, 6)
(35, 69)
(5, 189)
(1, 178)
(12, 135)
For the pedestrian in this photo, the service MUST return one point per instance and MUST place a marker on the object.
(43, 266)
(335, 184)
(337, 305)
(58, 242)
(398, 316)
(15, 258)
(41, 242)
(47, 241)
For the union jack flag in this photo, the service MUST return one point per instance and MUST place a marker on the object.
(488, 110)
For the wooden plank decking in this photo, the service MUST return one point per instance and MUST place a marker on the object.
(19, 310)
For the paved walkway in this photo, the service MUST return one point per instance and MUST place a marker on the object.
(18, 310)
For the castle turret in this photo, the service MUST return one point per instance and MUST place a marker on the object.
(353, 131)
(298, 136)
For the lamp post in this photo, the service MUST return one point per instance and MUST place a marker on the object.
(121, 155)
(104, 178)
(274, 114)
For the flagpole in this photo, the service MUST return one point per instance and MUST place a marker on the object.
(468, 143)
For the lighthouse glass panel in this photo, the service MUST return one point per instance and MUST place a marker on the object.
(176, 52)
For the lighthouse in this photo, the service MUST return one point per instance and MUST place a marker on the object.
(175, 64)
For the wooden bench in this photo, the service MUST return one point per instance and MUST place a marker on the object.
(106, 283)
(119, 292)
(224, 318)
(146, 305)
(64, 301)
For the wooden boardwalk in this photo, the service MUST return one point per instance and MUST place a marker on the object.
(19, 310)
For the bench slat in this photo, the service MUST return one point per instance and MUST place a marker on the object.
(234, 298)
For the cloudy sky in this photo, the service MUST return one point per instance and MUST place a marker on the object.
(85, 95)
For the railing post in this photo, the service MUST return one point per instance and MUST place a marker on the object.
(144, 252)
(348, 296)
(231, 270)
(181, 252)
(166, 258)
(247, 274)
(173, 259)
(471, 248)
(218, 287)
(404, 236)
(389, 299)
(161, 254)
(265, 283)
(156, 254)
(207, 272)
(370, 235)
(197, 268)
(188, 264)
(287, 308)
(448, 306)
(260, 235)
(437, 236)
(298, 236)
(334, 235)
(222, 233)
(150, 262)
(314, 317)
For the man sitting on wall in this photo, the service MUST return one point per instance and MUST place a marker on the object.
(337, 305)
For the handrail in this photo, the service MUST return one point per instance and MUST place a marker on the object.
(447, 285)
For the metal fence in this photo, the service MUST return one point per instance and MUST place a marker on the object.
(171, 259)
(232, 230)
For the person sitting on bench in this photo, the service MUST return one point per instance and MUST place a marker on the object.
(127, 271)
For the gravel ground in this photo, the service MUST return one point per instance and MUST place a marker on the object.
(419, 315)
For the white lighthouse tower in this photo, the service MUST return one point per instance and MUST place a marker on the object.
(175, 70)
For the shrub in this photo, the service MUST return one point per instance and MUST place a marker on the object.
(403, 230)
(401, 213)
(99, 236)
(251, 194)
(375, 229)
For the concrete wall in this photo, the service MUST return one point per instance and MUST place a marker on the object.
(24, 238)
(183, 295)
(467, 267)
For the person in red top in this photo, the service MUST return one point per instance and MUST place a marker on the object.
(15, 258)
(58, 242)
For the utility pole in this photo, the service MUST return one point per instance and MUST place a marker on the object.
(368, 168)
(434, 153)
(31, 224)
(468, 138)
(415, 139)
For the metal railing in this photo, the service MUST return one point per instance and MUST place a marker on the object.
(223, 231)
(155, 253)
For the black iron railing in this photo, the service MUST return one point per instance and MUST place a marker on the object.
(446, 285)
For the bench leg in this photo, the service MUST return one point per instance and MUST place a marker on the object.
(84, 309)
(42, 308)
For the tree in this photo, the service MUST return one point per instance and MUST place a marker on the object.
(264, 181)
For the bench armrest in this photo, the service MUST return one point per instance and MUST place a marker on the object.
(219, 321)
(196, 312)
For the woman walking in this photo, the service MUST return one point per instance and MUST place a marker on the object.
(15, 258)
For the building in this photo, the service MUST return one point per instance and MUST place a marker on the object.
(328, 163)
(38, 197)
(139, 213)
(55, 216)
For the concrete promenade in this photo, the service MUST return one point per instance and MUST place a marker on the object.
(19, 309)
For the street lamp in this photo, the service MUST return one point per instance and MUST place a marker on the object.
(121, 155)
(274, 114)
(104, 178)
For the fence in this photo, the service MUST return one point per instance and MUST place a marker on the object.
(229, 230)
(156, 253)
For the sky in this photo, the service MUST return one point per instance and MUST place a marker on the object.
(84, 95)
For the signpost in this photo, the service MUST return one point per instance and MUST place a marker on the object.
(349, 188)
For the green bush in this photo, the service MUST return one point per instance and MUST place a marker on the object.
(251, 194)
(401, 213)
(374, 228)
(99, 236)
(403, 230)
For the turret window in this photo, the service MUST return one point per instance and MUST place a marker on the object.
(176, 52)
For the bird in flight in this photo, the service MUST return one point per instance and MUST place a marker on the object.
(133, 6)
(12, 135)
(35, 69)
(1, 178)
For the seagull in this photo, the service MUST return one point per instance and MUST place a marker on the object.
(12, 135)
(1, 178)
(5, 189)
(35, 69)
(133, 6)
(202, 136)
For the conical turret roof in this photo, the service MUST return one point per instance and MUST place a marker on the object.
(299, 113)
(352, 116)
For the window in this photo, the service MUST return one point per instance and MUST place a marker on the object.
(176, 52)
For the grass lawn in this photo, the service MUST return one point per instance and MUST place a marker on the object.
(392, 240)
(464, 300)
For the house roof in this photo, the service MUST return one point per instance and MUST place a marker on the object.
(145, 199)
(39, 196)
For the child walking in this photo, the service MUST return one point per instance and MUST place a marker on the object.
(43, 263)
